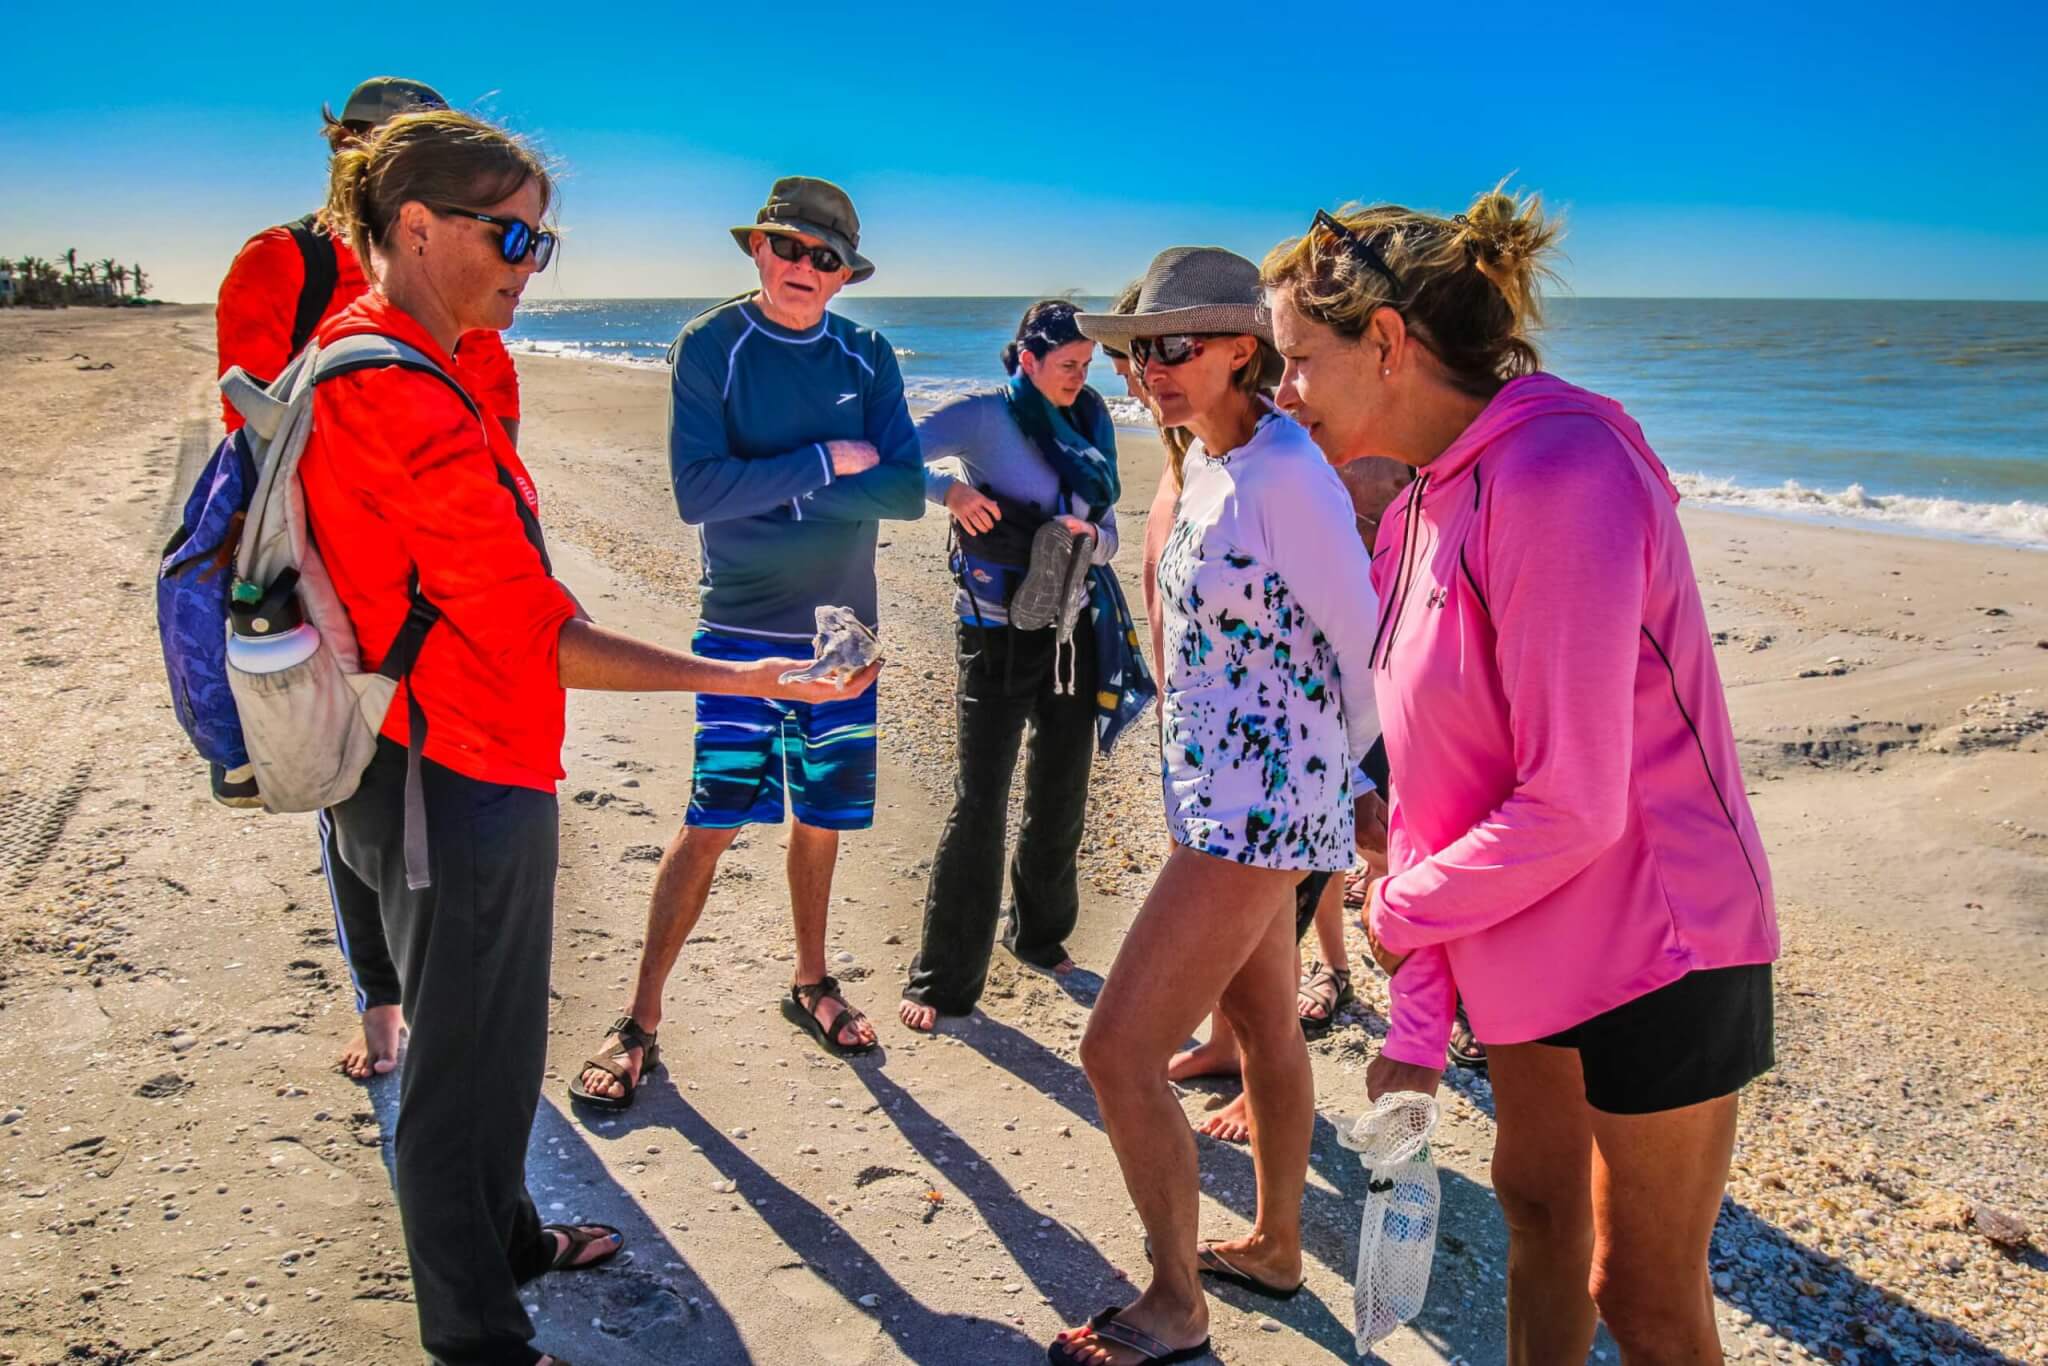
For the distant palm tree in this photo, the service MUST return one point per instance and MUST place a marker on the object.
(118, 273)
(141, 282)
(110, 282)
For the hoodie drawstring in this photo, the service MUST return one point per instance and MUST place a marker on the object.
(1405, 576)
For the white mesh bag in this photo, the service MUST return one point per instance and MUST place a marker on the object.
(1397, 1238)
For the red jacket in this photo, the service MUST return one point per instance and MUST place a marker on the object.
(253, 322)
(399, 474)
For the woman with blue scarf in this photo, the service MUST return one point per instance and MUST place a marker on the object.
(1039, 449)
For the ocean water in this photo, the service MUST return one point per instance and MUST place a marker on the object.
(1913, 416)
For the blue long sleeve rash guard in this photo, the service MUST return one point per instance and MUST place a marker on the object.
(752, 405)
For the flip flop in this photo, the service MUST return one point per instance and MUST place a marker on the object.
(630, 1036)
(1107, 1327)
(1213, 1263)
(827, 988)
(1210, 1262)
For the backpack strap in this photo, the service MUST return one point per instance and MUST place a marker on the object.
(323, 273)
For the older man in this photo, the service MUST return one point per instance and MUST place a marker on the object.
(789, 442)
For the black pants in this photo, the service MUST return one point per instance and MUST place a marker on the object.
(358, 926)
(472, 953)
(1006, 686)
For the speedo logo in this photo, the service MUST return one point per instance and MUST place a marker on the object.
(848, 398)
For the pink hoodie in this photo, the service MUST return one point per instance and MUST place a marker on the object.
(1569, 829)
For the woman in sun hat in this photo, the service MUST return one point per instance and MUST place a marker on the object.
(1570, 849)
(1268, 615)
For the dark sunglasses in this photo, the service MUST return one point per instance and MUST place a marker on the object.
(1326, 227)
(1174, 350)
(518, 241)
(823, 258)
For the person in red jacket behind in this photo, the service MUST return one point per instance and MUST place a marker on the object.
(403, 482)
(284, 283)
(270, 302)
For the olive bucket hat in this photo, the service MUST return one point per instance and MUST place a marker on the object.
(815, 208)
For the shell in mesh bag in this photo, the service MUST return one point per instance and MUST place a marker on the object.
(1397, 1237)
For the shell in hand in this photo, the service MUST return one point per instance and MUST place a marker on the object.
(843, 648)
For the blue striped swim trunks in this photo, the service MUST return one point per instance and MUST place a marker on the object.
(751, 750)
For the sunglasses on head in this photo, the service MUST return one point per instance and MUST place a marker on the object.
(823, 258)
(1325, 229)
(518, 240)
(1174, 350)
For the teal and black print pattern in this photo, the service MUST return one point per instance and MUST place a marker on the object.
(1256, 761)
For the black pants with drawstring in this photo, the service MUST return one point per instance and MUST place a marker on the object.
(1007, 698)
(472, 953)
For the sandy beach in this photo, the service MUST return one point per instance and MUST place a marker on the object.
(184, 1175)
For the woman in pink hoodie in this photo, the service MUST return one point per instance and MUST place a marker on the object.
(1569, 849)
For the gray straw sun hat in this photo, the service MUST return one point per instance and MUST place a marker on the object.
(1187, 289)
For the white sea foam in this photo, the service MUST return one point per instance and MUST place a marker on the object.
(612, 354)
(2016, 523)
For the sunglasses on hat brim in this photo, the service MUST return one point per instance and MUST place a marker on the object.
(518, 239)
(824, 259)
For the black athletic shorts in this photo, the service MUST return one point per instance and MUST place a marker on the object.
(1705, 1035)
(1307, 893)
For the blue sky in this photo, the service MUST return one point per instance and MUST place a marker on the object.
(1873, 150)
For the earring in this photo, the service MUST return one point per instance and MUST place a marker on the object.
(1385, 373)
(419, 251)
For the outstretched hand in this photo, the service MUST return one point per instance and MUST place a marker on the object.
(812, 690)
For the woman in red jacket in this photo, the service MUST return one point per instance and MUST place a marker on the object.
(405, 483)
(285, 282)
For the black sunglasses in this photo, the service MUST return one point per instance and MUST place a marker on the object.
(823, 258)
(1356, 243)
(518, 241)
(1175, 350)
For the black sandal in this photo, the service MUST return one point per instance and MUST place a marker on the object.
(576, 1237)
(1326, 987)
(824, 989)
(1107, 1327)
(614, 1062)
(1465, 1049)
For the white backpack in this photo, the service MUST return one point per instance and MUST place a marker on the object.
(309, 713)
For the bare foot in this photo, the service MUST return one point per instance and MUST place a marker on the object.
(1232, 1123)
(1063, 967)
(922, 1018)
(374, 1051)
(1204, 1060)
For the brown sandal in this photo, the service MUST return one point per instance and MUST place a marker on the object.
(1326, 988)
(827, 989)
(576, 1237)
(616, 1061)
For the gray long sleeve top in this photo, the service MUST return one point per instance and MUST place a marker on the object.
(976, 435)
